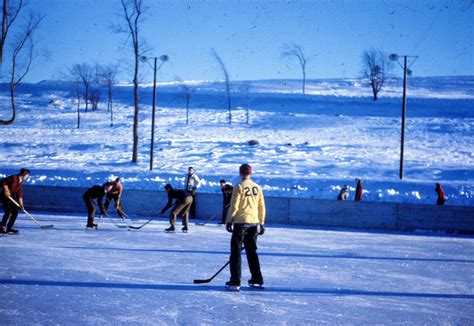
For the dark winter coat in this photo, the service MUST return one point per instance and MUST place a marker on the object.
(227, 194)
(358, 194)
(441, 195)
(93, 193)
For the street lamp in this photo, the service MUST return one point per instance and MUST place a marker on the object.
(163, 59)
(406, 71)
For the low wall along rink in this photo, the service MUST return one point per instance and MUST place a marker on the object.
(280, 210)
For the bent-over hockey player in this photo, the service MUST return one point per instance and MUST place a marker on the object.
(116, 194)
(12, 187)
(95, 192)
(246, 213)
(181, 207)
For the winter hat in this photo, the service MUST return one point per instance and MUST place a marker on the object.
(245, 169)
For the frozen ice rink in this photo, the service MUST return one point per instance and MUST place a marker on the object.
(67, 275)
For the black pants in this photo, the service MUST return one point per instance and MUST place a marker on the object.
(90, 204)
(246, 234)
(10, 212)
(225, 208)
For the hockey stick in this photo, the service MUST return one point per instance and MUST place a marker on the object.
(212, 217)
(115, 223)
(31, 216)
(150, 220)
(202, 224)
(217, 273)
(212, 277)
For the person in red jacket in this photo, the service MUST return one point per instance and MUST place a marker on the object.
(441, 196)
(358, 194)
(12, 187)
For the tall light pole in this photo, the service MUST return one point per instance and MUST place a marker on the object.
(406, 71)
(163, 59)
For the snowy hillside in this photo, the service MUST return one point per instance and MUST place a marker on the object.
(310, 145)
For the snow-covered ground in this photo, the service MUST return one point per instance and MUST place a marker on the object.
(70, 276)
(310, 145)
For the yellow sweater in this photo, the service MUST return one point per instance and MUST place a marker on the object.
(247, 204)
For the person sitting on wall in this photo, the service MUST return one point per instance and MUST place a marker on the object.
(344, 193)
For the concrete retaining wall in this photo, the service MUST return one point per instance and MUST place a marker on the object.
(280, 210)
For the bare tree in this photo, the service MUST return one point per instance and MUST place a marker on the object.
(295, 51)
(186, 94)
(133, 17)
(376, 67)
(10, 12)
(22, 59)
(227, 85)
(108, 76)
(95, 98)
(85, 73)
(71, 75)
(77, 89)
(247, 88)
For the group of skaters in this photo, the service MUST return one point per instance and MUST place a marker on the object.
(243, 213)
(344, 193)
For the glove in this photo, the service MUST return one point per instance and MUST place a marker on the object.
(228, 227)
(262, 230)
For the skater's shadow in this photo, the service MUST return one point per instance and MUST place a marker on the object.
(207, 288)
(279, 254)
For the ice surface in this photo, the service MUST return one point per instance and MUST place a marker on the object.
(71, 276)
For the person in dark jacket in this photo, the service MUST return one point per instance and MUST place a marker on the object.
(358, 194)
(95, 192)
(12, 187)
(441, 195)
(226, 196)
(181, 207)
(116, 194)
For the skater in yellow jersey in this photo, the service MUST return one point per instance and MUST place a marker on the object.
(246, 214)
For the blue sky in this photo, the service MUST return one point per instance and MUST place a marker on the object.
(249, 35)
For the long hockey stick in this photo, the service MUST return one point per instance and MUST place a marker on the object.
(217, 273)
(31, 216)
(115, 223)
(212, 277)
(150, 220)
(212, 217)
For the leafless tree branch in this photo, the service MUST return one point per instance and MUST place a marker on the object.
(227, 82)
(295, 51)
